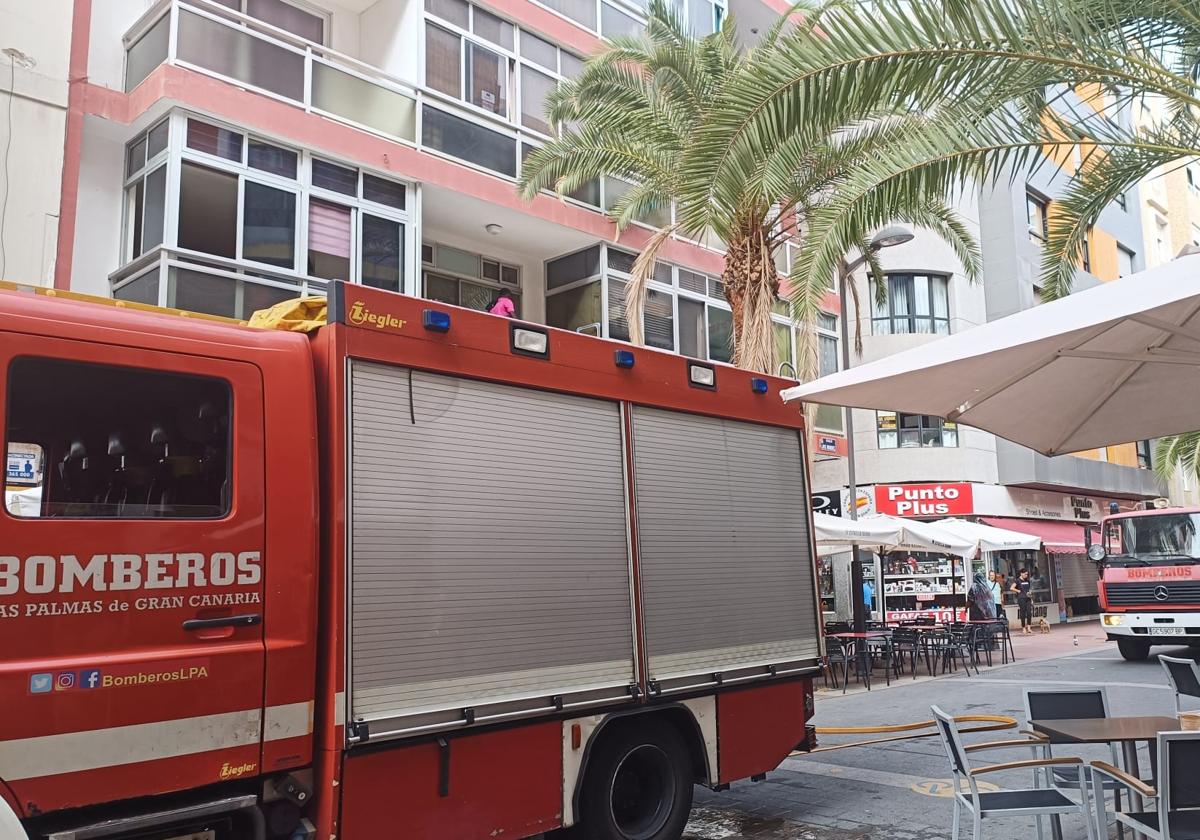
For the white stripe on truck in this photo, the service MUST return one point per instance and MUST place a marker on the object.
(92, 749)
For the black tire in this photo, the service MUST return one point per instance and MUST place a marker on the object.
(638, 785)
(1134, 650)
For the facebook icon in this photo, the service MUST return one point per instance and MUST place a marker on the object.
(89, 679)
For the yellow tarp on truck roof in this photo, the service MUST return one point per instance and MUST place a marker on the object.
(299, 315)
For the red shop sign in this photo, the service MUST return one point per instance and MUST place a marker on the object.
(924, 499)
(944, 615)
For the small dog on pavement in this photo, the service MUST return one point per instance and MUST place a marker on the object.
(1043, 626)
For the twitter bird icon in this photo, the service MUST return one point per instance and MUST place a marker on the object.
(41, 683)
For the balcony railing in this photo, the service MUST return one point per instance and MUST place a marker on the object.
(182, 279)
(212, 39)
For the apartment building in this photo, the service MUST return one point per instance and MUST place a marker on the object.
(1170, 213)
(223, 155)
(34, 53)
(987, 478)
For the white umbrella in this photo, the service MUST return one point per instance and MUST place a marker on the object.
(888, 533)
(989, 537)
(1112, 364)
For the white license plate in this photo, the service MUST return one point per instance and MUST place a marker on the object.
(1168, 631)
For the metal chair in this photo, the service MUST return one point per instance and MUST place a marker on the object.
(1184, 677)
(837, 655)
(1063, 704)
(1176, 814)
(1028, 802)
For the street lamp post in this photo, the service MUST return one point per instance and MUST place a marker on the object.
(886, 238)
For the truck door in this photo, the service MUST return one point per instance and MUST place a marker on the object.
(131, 571)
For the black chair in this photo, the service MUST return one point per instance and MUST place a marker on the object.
(837, 627)
(837, 655)
(906, 643)
(1184, 677)
(954, 646)
(881, 650)
(1176, 815)
(1024, 803)
(1063, 704)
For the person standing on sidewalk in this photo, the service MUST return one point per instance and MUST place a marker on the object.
(1021, 588)
(997, 591)
(980, 604)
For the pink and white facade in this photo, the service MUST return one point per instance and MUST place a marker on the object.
(222, 155)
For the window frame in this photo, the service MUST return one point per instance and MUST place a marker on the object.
(1042, 203)
(177, 153)
(1122, 251)
(142, 360)
(911, 316)
(925, 424)
(325, 16)
(431, 267)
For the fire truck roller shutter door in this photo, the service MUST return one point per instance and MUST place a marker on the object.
(726, 570)
(489, 555)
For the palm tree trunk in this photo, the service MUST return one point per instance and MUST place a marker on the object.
(751, 287)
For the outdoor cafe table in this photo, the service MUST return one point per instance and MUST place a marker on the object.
(1128, 731)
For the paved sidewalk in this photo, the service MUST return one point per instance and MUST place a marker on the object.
(1062, 640)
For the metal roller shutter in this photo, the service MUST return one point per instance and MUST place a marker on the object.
(726, 569)
(489, 556)
(1078, 575)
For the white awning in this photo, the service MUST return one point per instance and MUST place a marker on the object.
(990, 538)
(887, 533)
(1108, 365)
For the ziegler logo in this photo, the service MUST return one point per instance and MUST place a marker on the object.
(360, 315)
(236, 771)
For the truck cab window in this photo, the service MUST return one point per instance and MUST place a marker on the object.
(116, 442)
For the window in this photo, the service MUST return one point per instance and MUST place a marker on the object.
(1145, 455)
(617, 24)
(486, 62)
(382, 249)
(330, 232)
(467, 141)
(1086, 255)
(290, 17)
(917, 303)
(124, 443)
(1125, 261)
(1037, 216)
(145, 192)
(1191, 180)
(256, 204)
(906, 431)
(829, 417)
(465, 279)
(1122, 201)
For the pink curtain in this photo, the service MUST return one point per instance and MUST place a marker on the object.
(329, 229)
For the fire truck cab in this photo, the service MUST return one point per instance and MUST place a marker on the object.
(422, 573)
(1149, 579)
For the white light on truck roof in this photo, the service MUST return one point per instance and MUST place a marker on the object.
(530, 341)
(702, 375)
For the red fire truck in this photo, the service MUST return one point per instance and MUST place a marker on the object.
(423, 573)
(1149, 579)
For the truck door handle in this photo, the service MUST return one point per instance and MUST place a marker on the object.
(247, 620)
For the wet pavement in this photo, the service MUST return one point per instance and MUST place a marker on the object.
(900, 790)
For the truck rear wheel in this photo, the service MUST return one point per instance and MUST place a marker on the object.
(638, 785)
(1134, 650)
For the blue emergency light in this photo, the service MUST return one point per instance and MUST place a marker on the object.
(435, 320)
(758, 385)
(624, 358)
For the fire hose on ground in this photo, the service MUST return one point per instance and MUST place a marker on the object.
(990, 723)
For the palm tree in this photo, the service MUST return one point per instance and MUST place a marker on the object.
(635, 113)
(989, 89)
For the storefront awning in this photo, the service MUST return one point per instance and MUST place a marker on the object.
(1057, 537)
